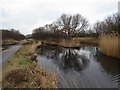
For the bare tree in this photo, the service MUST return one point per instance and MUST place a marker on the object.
(72, 24)
(52, 27)
(110, 25)
(65, 27)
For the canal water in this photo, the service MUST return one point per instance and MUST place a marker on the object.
(85, 67)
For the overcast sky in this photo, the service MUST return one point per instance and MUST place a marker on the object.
(25, 15)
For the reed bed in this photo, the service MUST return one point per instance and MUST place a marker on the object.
(109, 45)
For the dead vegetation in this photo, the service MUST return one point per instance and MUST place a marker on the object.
(109, 45)
(29, 78)
(9, 42)
(74, 42)
(87, 40)
(64, 43)
(21, 72)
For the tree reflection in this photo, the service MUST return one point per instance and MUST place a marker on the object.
(72, 60)
(66, 59)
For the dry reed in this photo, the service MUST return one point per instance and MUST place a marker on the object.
(109, 45)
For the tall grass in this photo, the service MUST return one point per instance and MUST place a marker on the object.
(109, 45)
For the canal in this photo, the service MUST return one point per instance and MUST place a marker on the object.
(85, 67)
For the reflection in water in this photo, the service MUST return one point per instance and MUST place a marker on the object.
(71, 59)
(65, 58)
(83, 68)
(111, 66)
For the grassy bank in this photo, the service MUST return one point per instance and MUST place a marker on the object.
(21, 72)
(109, 45)
(74, 42)
(8, 42)
(69, 43)
(64, 43)
(87, 40)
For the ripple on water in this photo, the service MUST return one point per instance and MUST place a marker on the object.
(83, 68)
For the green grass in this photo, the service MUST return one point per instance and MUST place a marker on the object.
(24, 61)
(20, 60)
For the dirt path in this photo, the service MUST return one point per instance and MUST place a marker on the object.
(6, 54)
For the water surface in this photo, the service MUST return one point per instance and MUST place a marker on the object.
(86, 67)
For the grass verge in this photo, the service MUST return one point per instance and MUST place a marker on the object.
(21, 72)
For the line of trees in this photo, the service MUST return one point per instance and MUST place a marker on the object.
(11, 34)
(110, 25)
(66, 26)
(44, 33)
(69, 26)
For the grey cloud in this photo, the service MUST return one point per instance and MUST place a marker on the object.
(26, 14)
